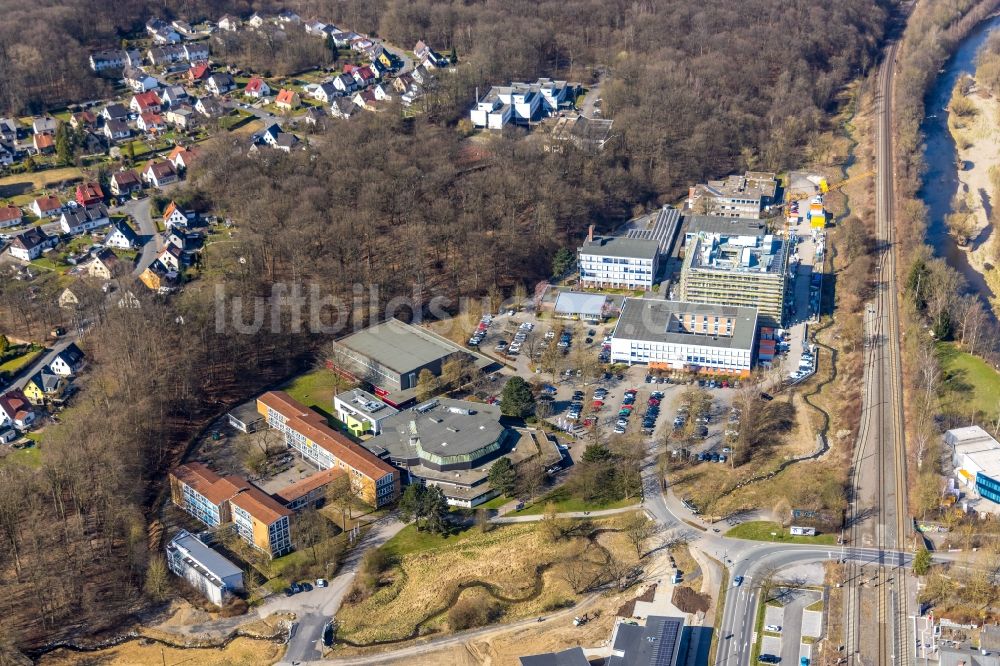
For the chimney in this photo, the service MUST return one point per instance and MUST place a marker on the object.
(590, 233)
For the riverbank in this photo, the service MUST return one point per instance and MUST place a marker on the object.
(977, 147)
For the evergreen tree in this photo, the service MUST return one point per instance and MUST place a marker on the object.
(562, 261)
(435, 511)
(453, 57)
(65, 148)
(516, 399)
(411, 502)
(503, 477)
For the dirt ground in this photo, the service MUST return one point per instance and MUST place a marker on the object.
(241, 651)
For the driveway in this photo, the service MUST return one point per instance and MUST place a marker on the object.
(405, 56)
(41, 362)
(315, 608)
(140, 211)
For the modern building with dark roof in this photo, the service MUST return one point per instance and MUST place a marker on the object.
(571, 657)
(390, 356)
(452, 444)
(618, 262)
(694, 337)
(656, 644)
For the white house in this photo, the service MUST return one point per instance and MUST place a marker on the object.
(194, 51)
(150, 122)
(121, 236)
(116, 130)
(28, 245)
(175, 217)
(49, 206)
(220, 83)
(170, 257)
(16, 410)
(173, 95)
(520, 103)
(44, 125)
(345, 83)
(10, 216)
(229, 23)
(257, 88)
(111, 59)
(159, 174)
(325, 92)
(215, 577)
(139, 81)
(68, 362)
(81, 219)
(381, 92)
(692, 337)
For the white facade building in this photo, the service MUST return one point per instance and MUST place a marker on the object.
(206, 570)
(521, 103)
(618, 263)
(693, 337)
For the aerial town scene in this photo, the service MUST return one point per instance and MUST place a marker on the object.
(478, 333)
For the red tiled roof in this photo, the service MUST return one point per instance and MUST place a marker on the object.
(310, 424)
(207, 483)
(15, 403)
(9, 213)
(90, 190)
(255, 84)
(162, 169)
(150, 118)
(260, 505)
(125, 178)
(199, 71)
(303, 487)
(48, 203)
(44, 141)
(285, 97)
(147, 99)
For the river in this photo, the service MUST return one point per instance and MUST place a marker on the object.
(940, 183)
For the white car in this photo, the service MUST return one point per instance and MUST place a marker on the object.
(776, 628)
(550, 334)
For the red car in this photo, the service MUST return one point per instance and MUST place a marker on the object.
(653, 402)
(589, 421)
(597, 404)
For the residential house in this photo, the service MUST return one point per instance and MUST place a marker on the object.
(274, 137)
(210, 108)
(342, 38)
(43, 143)
(403, 83)
(28, 244)
(110, 59)
(379, 68)
(257, 88)
(375, 481)
(287, 100)
(150, 122)
(361, 44)
(314, 115)
(121, 236)
(68, 362)
(288, 16)
(68, 298)
(167, 36)
(16, 410)
(220, 83)
(325, 92)
(105, 265)
(44, 386)
(170, 258)
(172, 96)
(123, 183)
(157, 278)
(48, 206)
(421, 49)
(195, 51)
(159, 174)
(133, 58)
(521, 103)
(6, 156)
(114, 112)
(387, 60)
(145, 102)
(175, 217)
(183, 27)
(89, 193)
(8, 130)
(421, 75)
(256, 20)
(116, 129)
(199, 72)
(84, 218)
(182, 157)
(345, 83)
(139, 81)
(83, 120)
(204, 569)
(365, 100)
(382, 92)
(44, 125)
(364, 76)
(434, 60)
(319, 29)
(181, 116)
(164, 55)
(10, 216)
(177, 238)
(229, 23)
(343, 107)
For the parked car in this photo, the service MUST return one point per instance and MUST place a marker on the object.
(776, 628)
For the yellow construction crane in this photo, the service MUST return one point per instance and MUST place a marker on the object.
(824, 187)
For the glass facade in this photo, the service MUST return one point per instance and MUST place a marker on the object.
(987, 487)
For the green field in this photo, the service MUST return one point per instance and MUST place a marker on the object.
(15, 364)
(564, 503)
(30, 456)
(760, 530)
(969, 385)
(411, 540)
(315, 389)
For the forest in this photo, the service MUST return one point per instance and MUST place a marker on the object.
(401, 204)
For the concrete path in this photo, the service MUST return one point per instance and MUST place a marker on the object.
(568, 514)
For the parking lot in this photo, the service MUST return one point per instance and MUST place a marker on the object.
(792, 623)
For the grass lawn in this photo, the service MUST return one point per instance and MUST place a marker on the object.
(564, 503)
(410, 540)
(495, 503)
(15, 364)
(760, 530)
(316, 388)
(48, 264)
(19, 184)
(30, 456)
(970, 384)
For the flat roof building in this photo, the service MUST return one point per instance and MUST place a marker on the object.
(578, 305)
(361, 411)
(204, 569)
(741, 270)
(658, 643)
(452, 443)
(390, 356)
(618, 262)
(694, 337)
(734, 196)
(976, 457)
(308, 492)
(375, 481)
(574, 656)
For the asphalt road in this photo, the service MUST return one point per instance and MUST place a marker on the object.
(140, 210)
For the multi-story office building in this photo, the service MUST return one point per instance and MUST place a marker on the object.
(617, 262)
(694, 337)
(742, 270)
(204, 569)
(374, 480)
(260, 520)
(735, 196)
